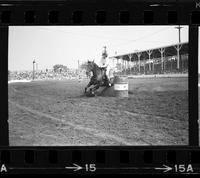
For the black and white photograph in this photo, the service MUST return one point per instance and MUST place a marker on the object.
(98, 85)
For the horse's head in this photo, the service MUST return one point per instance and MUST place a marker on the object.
(90, 66)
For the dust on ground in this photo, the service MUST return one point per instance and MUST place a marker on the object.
(56, 113)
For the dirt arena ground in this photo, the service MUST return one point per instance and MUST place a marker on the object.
(56, 113)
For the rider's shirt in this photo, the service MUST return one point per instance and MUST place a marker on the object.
(104, 58)
(103, 62)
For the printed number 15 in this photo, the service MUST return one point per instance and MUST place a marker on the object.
(90, 167)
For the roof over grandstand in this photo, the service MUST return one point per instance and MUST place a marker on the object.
(170, 50)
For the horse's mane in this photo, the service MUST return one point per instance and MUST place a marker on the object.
(95, 65)
(96, 68)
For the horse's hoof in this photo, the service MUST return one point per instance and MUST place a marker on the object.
(90, 94)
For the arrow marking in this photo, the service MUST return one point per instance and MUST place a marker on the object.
(76, 167)
(165, 168)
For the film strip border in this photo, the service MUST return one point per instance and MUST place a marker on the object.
(99, 12)
(186, 12)
(100, 160)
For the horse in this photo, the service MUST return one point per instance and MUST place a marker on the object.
(99, 77)
(88, 74)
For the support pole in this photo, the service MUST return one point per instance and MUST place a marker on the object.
(149, 52)
(138, 55)
(128, 64)
(178, 48)
(130, 56)
(124, 66)
(33, 69)
(179, 33)
(162, 50)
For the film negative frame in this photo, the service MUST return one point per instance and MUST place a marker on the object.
(109, 159)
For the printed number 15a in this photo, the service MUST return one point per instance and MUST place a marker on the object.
(182, 168)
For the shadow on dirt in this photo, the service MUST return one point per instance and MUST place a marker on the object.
(104, 92)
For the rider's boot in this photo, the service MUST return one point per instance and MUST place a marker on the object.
(108, 80)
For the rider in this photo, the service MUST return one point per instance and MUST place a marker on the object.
(104, 63)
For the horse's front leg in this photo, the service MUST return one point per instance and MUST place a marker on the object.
(95, 87)
(88, 85)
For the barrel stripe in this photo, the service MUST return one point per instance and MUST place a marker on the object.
(121, 86)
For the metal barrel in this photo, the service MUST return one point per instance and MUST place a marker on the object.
(121, 86)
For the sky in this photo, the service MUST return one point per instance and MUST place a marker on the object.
(50, 45)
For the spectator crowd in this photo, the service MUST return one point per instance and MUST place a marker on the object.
(47, 74)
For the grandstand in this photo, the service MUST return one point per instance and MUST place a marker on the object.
(166, 59)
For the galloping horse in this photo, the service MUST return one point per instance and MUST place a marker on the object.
(99, 77)
(88, 74)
